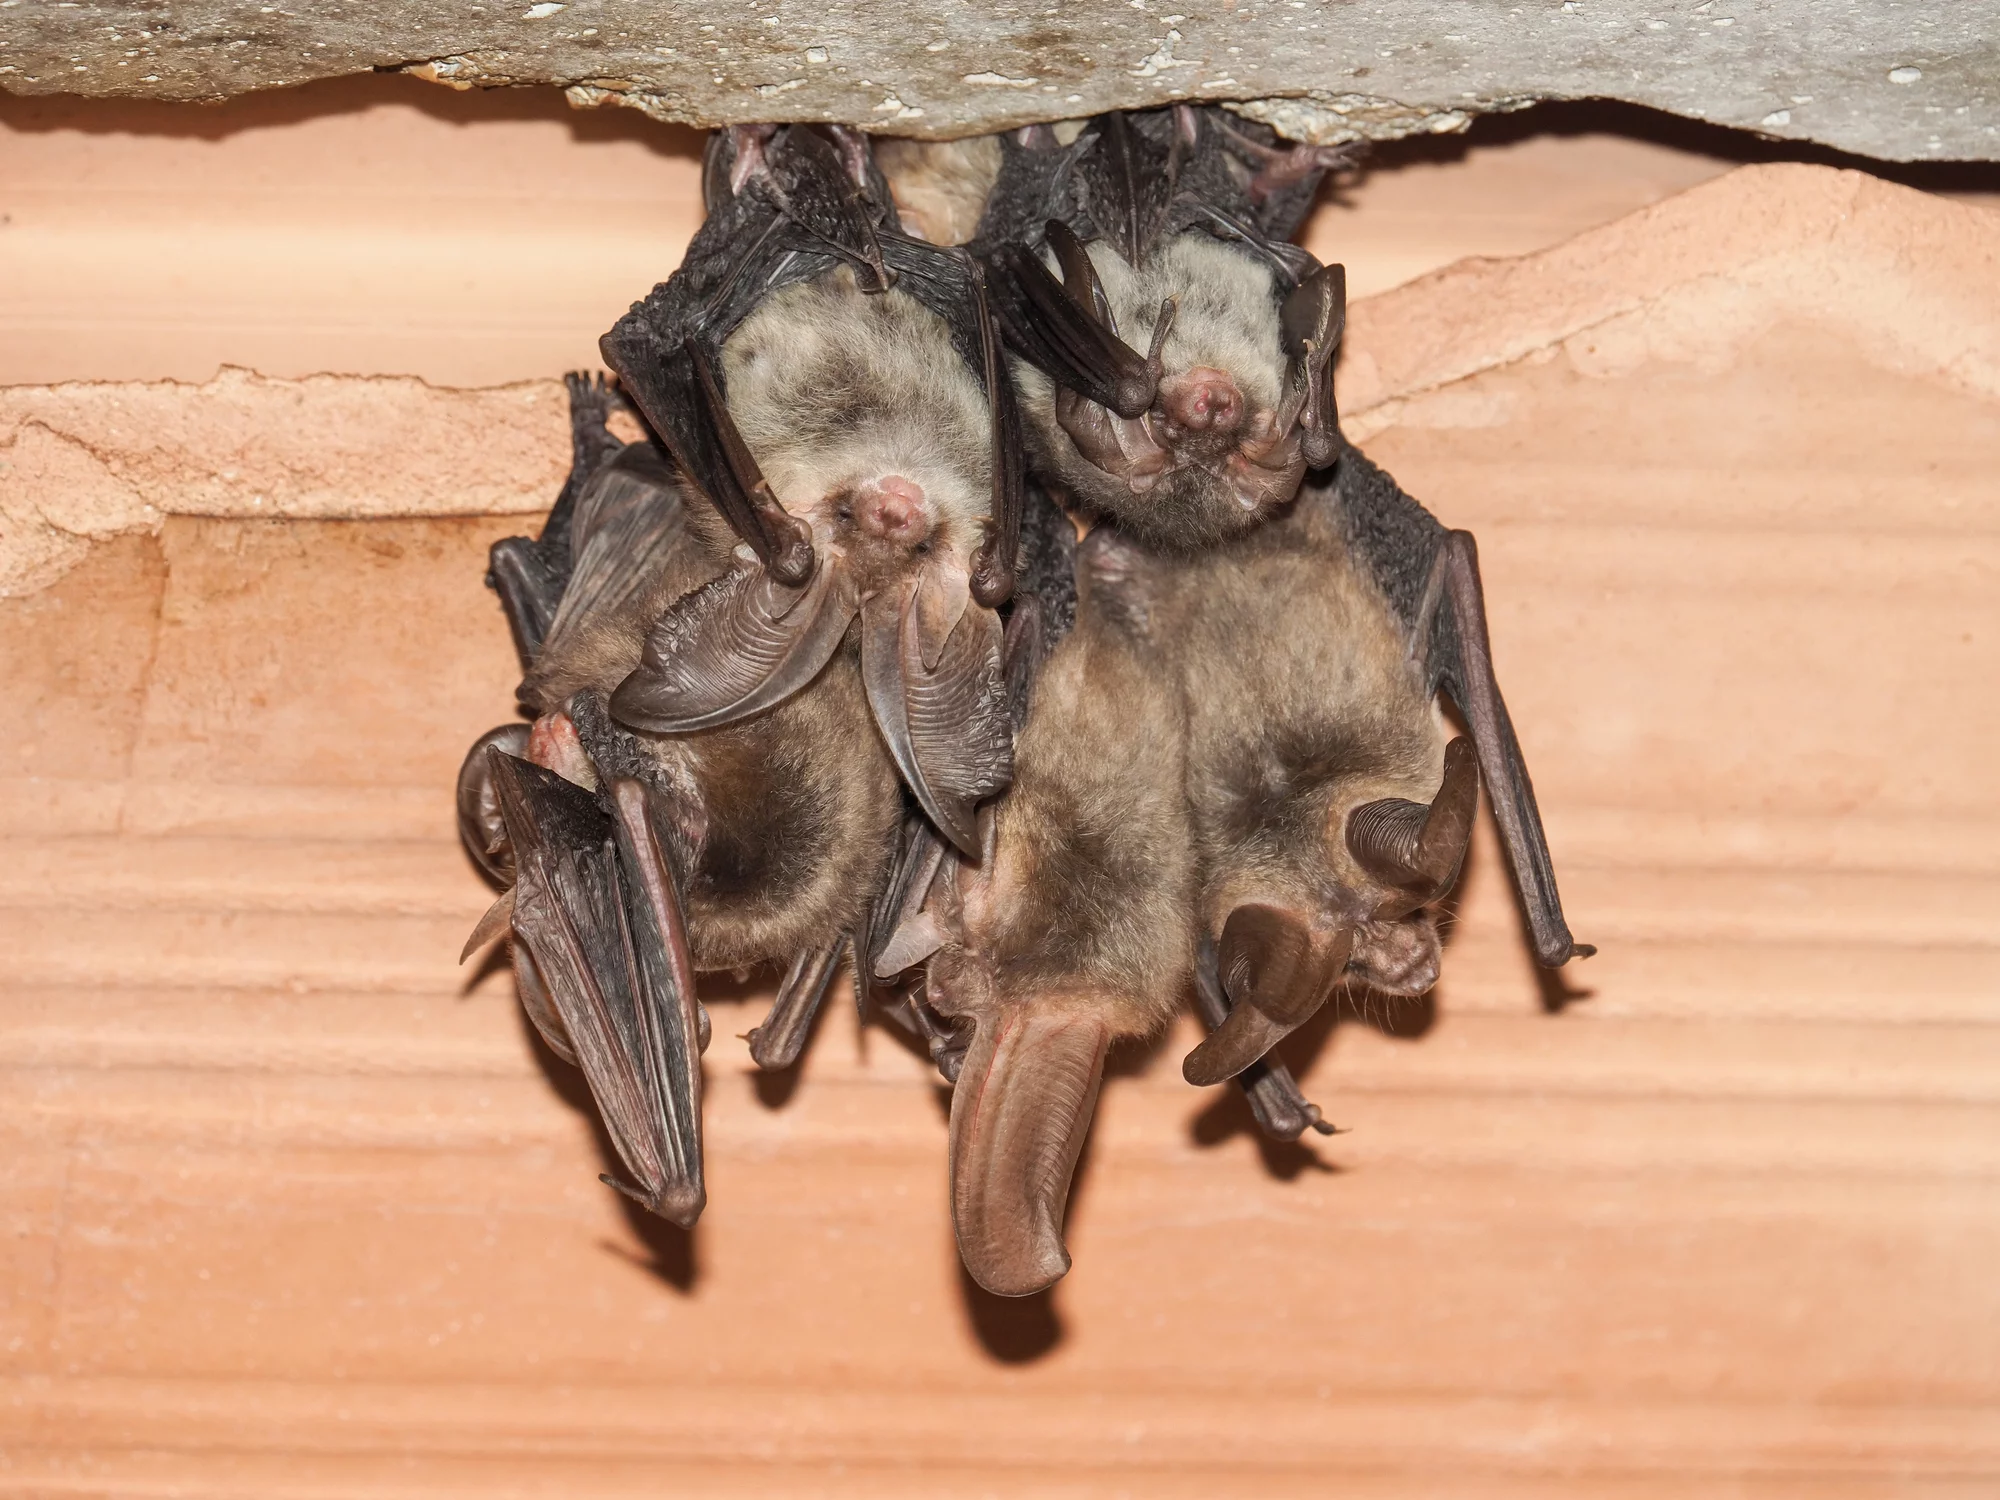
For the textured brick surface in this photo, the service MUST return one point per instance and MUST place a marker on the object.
(293, 1208)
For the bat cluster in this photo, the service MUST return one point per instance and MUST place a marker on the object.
(820, 667)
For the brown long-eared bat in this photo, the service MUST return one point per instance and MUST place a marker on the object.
(1330, 811)
(835, 390)
(1169, 231)
(1072, 933)
(635, 860)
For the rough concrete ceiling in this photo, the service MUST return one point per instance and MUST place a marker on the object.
(1897, 81)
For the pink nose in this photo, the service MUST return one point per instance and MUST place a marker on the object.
(893, 508)
(1201, 400)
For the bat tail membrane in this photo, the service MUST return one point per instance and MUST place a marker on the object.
(946, 725)
(1282, 1112)
(597, 914)
(1276, 969)
(1026, 1091)
(1128, 181)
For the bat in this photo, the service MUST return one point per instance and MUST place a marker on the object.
(1072, 932)
(634, 860)
(940, 187)
(835, 390)
(1330, 813)
(1170, 230)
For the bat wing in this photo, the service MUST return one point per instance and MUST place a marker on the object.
(597, 909)
(800, 215)
(1127, 177)
(626, 524)
(1431, 578)
(530, 574)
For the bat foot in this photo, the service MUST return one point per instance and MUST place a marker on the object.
(676, 1209)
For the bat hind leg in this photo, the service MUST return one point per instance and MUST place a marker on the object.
(1281, 1109)
(779, 1041)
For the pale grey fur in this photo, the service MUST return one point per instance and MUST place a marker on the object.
(832, 386)
(1226, 317)
(940, 187)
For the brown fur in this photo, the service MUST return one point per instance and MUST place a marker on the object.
(1302, 703)
(801, 801)
(1088, 898)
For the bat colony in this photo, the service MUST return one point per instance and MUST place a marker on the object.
(821, 668)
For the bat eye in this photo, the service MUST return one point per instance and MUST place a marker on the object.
(924, 549)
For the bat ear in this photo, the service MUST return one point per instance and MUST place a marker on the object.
(734, 647)
(1417, 849)
(1025, 1095)
(1276, 971)
(480, 824)
(946, 724)
(1311, 321)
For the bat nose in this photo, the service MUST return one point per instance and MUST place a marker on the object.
(1202, 400)
(892, 507)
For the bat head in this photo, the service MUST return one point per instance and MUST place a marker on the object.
(1229, 431)
(1387, 862)
(867, 424)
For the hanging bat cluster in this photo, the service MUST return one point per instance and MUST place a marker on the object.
(820, 666)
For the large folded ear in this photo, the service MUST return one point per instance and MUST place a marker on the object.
(480, 825)
(1019, 1115)
(1276, 970)
(734, 647)
(1417, 849)
(947, 726)
(1312, 321)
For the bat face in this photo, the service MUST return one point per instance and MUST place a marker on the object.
(868, 426)
(1220, 447)
(1154, 233)
(834, 389)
